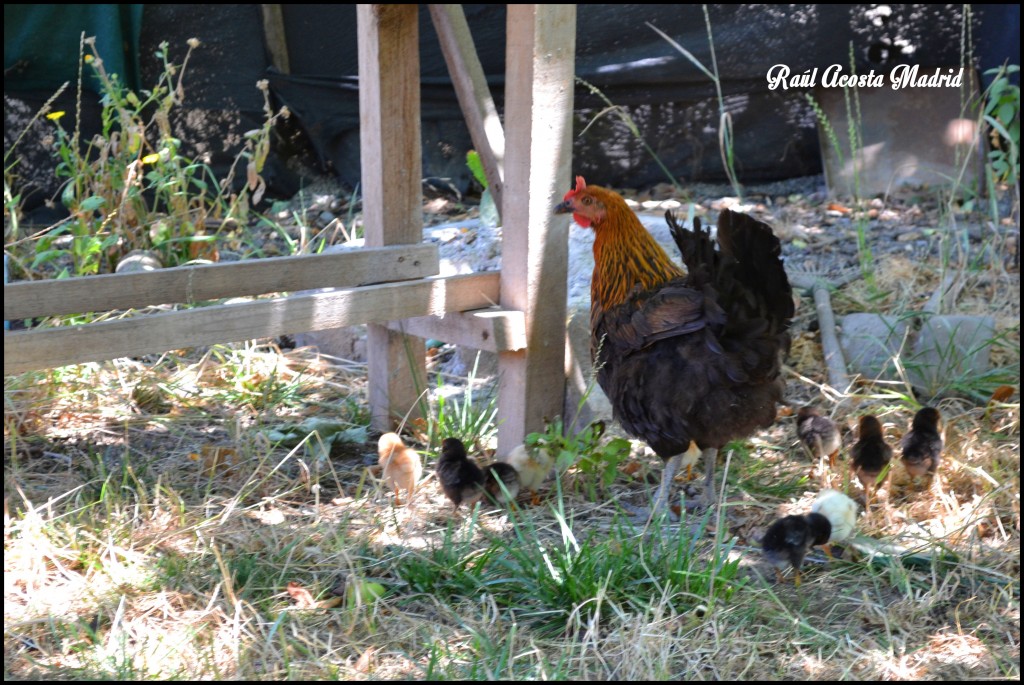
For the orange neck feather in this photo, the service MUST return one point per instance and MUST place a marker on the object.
(626, 256)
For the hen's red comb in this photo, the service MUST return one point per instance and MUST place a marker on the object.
(580, 185)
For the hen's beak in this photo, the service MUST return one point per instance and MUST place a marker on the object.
(564, 207)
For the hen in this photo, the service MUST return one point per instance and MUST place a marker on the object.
(402, 466)
(922, 445)
(533, 464)
(689, 361)
(461, 480)
(820, 437)
(787, 541)
(500, 474)
(871, 455)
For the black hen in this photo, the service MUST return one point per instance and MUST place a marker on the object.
(461, 479)
(689, 362)
(922, 445)
(787, 541)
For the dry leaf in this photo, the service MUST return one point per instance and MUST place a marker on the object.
(363, 662)
(300, 595)
(631, 468)
(838, 208)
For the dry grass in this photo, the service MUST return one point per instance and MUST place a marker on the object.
(152, 529)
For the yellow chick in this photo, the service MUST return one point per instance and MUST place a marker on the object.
(402, 465)
(841, 512)
(533, 465)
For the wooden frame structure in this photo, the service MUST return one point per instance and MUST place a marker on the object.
(391, 284)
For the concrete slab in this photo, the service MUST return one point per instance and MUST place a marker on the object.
(950, 349)
(870, 342)
(909, 136)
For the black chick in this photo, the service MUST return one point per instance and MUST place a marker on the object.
(922, 445)
(819, 435)
(871, 454)
(461, 479)
(497, 474)
(787, 541)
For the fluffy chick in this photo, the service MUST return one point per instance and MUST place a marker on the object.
(461, 479)
(922, 445)
(871, 453)
(496, 475)
(533, 465)
(841, 512)
(787, 541)
(819, 435)
(402, 466)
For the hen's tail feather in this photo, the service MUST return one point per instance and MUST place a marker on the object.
(759, 254)
(749, 254)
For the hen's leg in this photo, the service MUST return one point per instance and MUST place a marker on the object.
(668, 476)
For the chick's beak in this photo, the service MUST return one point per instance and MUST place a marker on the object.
(564, 207)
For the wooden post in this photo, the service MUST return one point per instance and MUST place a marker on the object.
(274, 37)
(474, 96)
(540, 64)
(392, 177)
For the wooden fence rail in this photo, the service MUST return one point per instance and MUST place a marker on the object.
(148, 333)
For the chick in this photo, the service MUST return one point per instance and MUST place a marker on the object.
(922, 445)
(496, 475)
(819, 435)
(787, 541)
(871, 454)
(402, 465)
(461, 479)
(841, 512)
(533, 465)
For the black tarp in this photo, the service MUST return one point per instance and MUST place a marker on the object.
(672, 102)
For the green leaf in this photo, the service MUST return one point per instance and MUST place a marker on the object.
(476, 167)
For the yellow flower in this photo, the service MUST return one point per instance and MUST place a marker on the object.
(55, 116)
(88, 59)
(151, 159)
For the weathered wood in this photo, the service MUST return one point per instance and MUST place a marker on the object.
(473, 93)
(490, 330)
(392, 176)
(274, 37)
(540, 65)
(154, 333)
(191, 284)
(833, 351)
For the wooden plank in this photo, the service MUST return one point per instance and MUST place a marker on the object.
(191, 284)
(392, 177)
(490, 330)
(274, 37)
(473, 93)
(154, 333)
(540, 62)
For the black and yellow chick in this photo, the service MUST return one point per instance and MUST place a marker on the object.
(787, 541)
(922, 445)
(461, 479)
(871, 454)
(496, 475)
(819, 435)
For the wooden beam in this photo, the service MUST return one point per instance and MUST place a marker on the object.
(392, 177)
(540, 63)
(473, 93)
(490, 330)
(274, 37)
(192, 284)
(154, 333)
